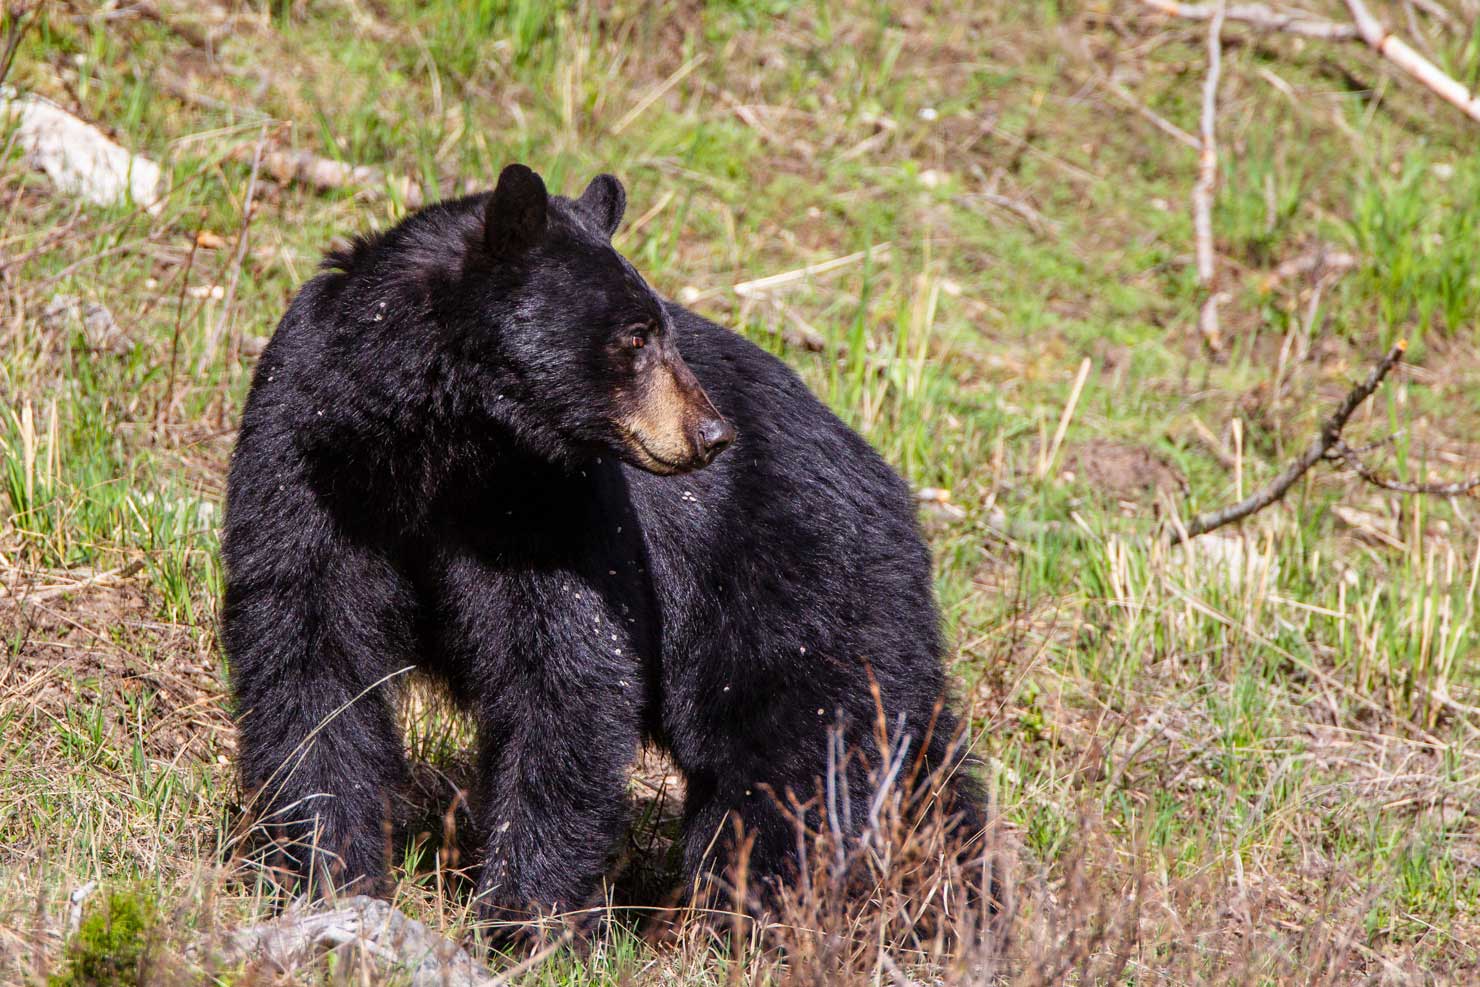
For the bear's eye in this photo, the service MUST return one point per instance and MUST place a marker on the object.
(638, 334)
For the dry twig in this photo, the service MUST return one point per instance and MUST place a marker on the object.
(1316, 264)
(1320, 448)
(236, 261)
(1158, 121)
(1366, 28)
(1257, 15)
(1352, 458)
(767, 286)
(288, 166)
(1207, 183)
(1401, 54)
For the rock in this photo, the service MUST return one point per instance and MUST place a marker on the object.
(101, 332)
(1236, 557)
(366, 933)
(78, 157)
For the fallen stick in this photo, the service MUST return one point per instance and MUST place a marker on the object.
(289, 167)
(1045, 463)
(1320, 448)
(1158, 121)
(1258, 16)
(1352, 458)
(1366, 28)
(236, 262)
(1207, 183)
(1401, 54)
(761, 287)
(1318, 262)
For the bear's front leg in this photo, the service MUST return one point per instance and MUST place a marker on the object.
(316, 632)
(558, 695)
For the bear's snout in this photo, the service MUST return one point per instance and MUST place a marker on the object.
(669, 424)
(714, 437)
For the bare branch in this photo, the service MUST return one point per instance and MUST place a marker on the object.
(238, 258)
(1401, 54)
(1319, 449)
(288, 166)
(1207, 169)
(1157, 120)
(1352, 458)
(1318, 263)
(1366, 28)
(1258, 16)
(1207, 183)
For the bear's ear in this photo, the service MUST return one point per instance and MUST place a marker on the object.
(605, 201)
(517, 212)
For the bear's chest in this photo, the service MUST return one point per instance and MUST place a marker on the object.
(548, 582)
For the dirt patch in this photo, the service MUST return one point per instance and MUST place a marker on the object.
(1122, 470)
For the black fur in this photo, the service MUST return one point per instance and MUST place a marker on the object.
(426, 475)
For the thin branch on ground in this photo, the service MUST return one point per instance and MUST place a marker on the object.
(237, 259)
(288, 167)
(21, 18)
(1257, 15)
(1366, 28)
(1401, 54)
(1207, 184)
(1158, 121)
(1352, 457)
(1320, 448)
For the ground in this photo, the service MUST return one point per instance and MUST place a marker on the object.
(1259, 751)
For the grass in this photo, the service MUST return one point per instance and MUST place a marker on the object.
(1271, 734)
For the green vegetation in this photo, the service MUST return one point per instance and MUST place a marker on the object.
(1269, 738)
(112, 945)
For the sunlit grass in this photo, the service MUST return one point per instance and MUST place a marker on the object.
(1287, 710)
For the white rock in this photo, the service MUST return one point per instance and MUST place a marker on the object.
(78, 157)
(378, 940)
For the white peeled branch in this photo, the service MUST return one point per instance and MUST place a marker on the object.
(78, 157)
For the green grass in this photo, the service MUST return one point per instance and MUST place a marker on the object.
(1283, 717)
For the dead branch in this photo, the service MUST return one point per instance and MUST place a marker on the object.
(306, 168)
(1401, 54)
(771, 284)
(1207, 183)
(1257, 15)
(236, 261)
(1036, 221)
(1352, 457)
(1366, 28)
(1320, 448)
(1315, 264)
(1155, 119)
(1438, 13)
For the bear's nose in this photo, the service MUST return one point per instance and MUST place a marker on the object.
(715, 435)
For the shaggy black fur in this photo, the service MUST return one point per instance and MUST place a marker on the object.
(429, 474)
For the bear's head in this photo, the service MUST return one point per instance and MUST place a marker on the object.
(584, 343)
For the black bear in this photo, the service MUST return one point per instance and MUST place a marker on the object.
(481, 445)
